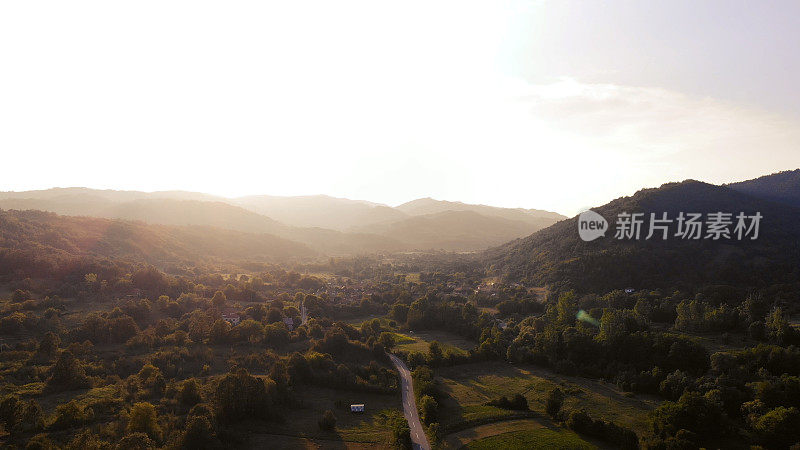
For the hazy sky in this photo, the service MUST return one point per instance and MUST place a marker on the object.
(554, 105)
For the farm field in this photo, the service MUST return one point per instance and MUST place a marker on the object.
(358, 321)
(418, 341)
(259, 441)
(476, 434)
(301, 420)
(540, 438)
(470, 386)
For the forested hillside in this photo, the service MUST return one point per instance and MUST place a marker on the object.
(40, 244)
(781, 187)
(558, 255)
(329, 225)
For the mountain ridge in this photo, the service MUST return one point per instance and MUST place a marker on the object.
(52, 242)
(455, 230)
(428, 205)
(781, 187)
(330, 225)
(557, 254)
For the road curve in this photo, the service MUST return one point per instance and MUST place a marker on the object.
(418, 438)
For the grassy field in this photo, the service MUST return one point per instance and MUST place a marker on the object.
(357, 321)
(418, 341)
(713, 342)
(301, 420)
(538, 438)
(489, 310)
(470, 386)
(258, 441)
(462, 438)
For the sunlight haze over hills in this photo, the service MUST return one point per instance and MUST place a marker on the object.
(417, 225)
(514, 104)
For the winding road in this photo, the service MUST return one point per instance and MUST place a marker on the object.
(418, 438)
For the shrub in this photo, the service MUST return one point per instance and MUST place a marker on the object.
(779, 427)
(427, 408)
(40, 442)
(136, 441)
(199, 434)
(67, 374)
(144, 419)
(692, 412)
(518, 402)
(71, 415)
(240, 395)
(610, 432)
(328, 421)
(86, 440)
(554, 401)
(190, 394)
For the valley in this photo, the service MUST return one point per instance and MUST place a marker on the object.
(189, 334)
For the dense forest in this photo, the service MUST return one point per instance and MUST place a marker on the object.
(127, 356)
(556, 255)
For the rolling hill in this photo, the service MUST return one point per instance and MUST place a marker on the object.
(453, 230)
(425, 206)
(168, 211)
(43, 241)
(111, 195)
(557, 254)
(152, 210)
(320, 211)
(781, 187)
(328, 225)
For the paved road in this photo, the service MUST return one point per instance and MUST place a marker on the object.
(420, 441)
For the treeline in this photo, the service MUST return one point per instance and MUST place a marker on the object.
(141, 373)
(638, 341)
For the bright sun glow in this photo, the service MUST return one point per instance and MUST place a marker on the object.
(379, 101)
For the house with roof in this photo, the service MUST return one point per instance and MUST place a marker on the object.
(357, 408)
(231, 316)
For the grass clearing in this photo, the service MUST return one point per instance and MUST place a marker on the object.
(301, 420)
(259, 441)
(358, 321)
(489, 310)
(713, 342)
(462, 438)
(418, 341)
(402, 339)
(539, 438)
(470, 386)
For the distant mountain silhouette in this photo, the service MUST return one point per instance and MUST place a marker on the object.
(781, 187)
(107, 194)
(557, 254)
(329, 225)
(425, 206)
(201, 213)
(46, 240)
(320, 211)
(456, 230)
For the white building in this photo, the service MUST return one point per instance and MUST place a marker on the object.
(232, 319)
(357, 408)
